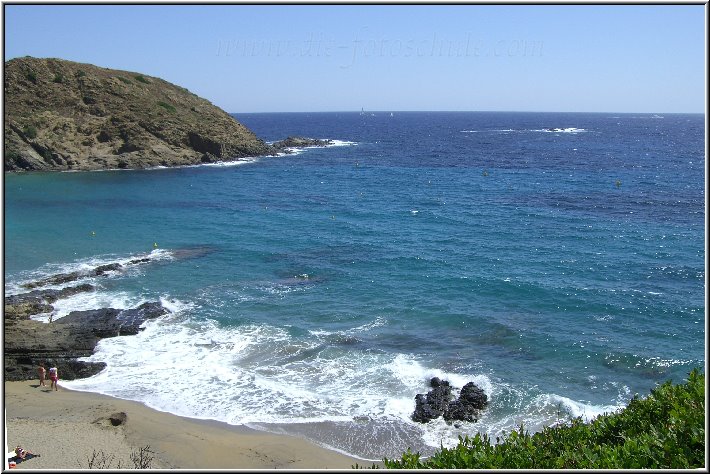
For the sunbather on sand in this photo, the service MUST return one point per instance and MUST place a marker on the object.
(22, 453)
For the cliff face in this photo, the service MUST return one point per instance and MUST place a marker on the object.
(62, 115)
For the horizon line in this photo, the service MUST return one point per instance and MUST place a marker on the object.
(388, 111)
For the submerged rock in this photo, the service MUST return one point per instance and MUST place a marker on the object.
(58, 279)
(101, 270)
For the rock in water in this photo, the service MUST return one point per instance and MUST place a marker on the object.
(473, 396)
(110, 322)
(300, 142)
(433, 404)
(438, 402)
(63, 115)
(457, 411)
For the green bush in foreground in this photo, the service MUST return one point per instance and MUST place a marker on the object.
(664, 430)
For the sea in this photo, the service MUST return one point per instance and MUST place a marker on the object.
(556, 260)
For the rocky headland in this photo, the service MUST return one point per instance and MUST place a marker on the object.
(62, 115)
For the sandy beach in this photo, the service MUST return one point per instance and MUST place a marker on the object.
(67, 427)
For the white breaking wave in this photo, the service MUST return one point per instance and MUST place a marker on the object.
(256, 374)
(561, 130)
(545, 130)
(331, 144)
(341, 143)
(229, 164)
(89, 301)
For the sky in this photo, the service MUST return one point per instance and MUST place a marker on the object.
(308, 58)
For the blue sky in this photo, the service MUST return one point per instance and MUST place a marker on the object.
(279, 58)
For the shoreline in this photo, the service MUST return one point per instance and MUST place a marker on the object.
(66, 427)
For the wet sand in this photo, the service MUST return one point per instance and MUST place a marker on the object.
(67, 428)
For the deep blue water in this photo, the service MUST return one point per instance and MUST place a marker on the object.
(316, 293)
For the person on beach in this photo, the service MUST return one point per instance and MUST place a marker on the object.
(42, 371)
(22, 453)
(53, 376)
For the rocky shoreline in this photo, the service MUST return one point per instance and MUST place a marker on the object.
(60, 343)
(29, 343)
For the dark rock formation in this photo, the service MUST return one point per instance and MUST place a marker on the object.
(62, 115)
(58, 279)
(110, 322)
(433, 404)
(29, 343)
(299, 142)
(103, 269)
(473, 396)
(439, 402)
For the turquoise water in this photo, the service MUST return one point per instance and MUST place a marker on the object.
(316, 293)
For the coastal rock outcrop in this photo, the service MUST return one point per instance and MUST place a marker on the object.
(29, 343)
(299, 142)
(439, 401)
(63, 115)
